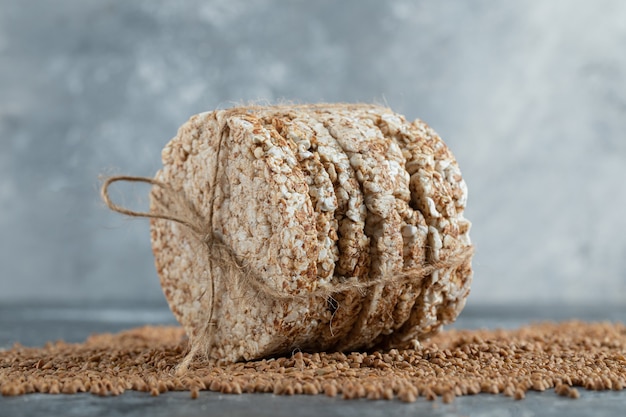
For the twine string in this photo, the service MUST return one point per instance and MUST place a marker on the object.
(104, 192)
(235, 271)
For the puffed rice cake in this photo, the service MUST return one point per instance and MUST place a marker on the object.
(309, 197)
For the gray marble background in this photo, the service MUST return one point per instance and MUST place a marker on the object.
(530, 96)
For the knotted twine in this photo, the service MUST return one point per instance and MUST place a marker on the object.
(236, 271)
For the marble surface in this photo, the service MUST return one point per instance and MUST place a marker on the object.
(530, 96)
(35, 324)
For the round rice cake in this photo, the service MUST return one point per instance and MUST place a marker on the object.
(353, 262)
(413, 228)
(440, 194)
(365, 148)
(308, 198)
(323, 158)
(273, 234)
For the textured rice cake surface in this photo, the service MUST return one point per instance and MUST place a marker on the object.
(309, 198)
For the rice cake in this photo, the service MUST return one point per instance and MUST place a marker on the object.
(310, 199)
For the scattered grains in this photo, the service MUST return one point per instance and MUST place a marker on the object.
(454, 363)
(573, 393)
(447, 397)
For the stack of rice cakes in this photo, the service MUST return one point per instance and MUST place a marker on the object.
(309, 197)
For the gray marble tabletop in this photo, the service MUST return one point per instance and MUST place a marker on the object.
(36, 324)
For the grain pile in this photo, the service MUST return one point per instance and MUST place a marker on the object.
(326, 227)
(454, 363)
